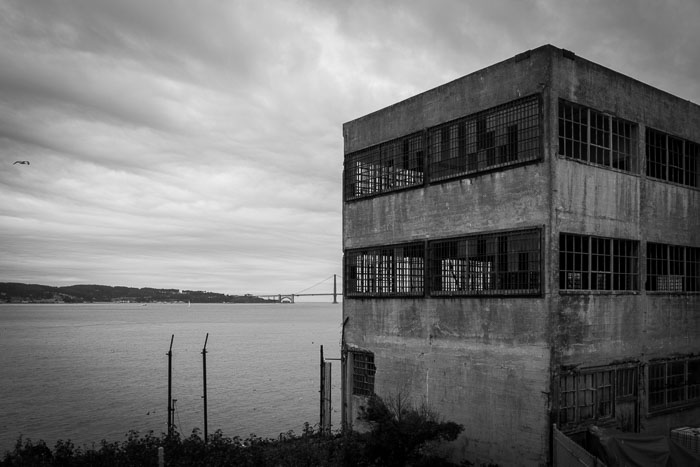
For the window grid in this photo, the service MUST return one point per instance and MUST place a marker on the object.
(385, 167)
(672, 159)
(486, 264)
(385, 271)
(591, 136)
(589, 395)
(672, 268)
(363, 371)
(625, 265)
(674, 383)
(597, 263)
(494, 138)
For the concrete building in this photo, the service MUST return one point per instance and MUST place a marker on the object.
(522, 248)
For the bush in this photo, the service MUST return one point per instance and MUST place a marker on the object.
(399, 434)
(403, 434)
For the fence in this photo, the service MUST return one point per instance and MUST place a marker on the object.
(566, 453)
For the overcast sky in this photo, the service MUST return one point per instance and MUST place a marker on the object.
(198, 144)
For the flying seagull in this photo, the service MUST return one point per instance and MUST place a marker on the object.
(20, 162)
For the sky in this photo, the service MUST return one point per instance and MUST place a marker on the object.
(198, 144)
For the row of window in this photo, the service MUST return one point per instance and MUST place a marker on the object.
(510, 134)
(598, 263)
(484, 264)
(498, 137)
(591, 136)
(593, 393)
(509, 263)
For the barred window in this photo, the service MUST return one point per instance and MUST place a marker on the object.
(597, 263)
(672, 268)
(498, 137)
(363, 371)
(487, 264)
(672, 159)
(674, 383)
(385, 271)
(591, 136)
(386, 167)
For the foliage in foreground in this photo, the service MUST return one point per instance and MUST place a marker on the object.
(400, 435)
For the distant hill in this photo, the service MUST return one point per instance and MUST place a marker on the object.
(14, 292)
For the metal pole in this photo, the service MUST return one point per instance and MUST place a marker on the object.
(204, 367)
(321, 393)
(170, 386)
(335, 290)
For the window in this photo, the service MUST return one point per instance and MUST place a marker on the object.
(591, 136)
(386, 167)
(597, 263)
(674, 383)
(385, 271)
(672, 268)
(494, 138)
(363, 371)
(672, 159)
(487, 264)
(589, 394)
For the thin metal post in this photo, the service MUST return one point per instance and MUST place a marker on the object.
(321, 392)
(204, 372)
(170, 386)
(335, 290)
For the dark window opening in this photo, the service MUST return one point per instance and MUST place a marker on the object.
(363, 371)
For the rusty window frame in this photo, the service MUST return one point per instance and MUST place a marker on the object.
(587, 394)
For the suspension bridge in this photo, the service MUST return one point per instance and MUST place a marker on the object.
(289, 298)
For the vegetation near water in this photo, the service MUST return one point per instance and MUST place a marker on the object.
(400, 434)
(15, 292)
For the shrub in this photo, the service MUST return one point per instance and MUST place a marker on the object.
(401, 433)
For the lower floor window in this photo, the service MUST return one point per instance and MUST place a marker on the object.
(591, 393)
(363, 371)
(674, 383)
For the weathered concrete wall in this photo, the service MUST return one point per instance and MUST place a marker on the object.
(509, 199)
(599, 328)
(483, 363)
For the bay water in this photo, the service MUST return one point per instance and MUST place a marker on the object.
(88, 372)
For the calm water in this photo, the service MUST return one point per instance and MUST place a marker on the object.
(93, 372)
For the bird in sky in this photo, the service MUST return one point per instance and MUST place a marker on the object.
(20, 162)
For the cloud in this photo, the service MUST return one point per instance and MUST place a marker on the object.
(199, 144)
